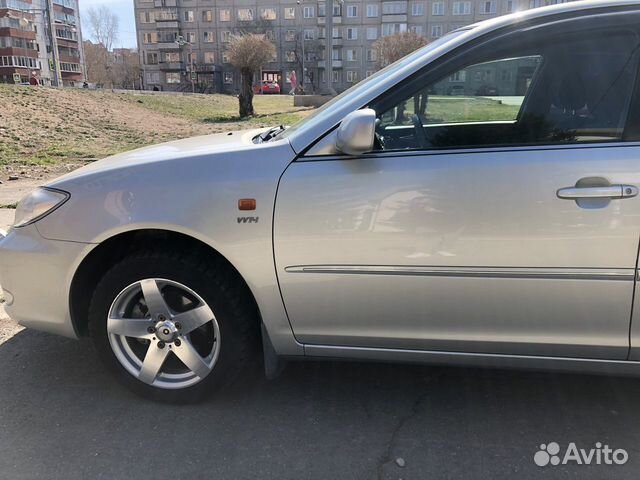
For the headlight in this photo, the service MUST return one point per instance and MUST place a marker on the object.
(38, 204)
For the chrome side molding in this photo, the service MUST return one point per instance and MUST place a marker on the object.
(627, 274)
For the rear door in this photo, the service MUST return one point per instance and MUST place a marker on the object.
(504, 220)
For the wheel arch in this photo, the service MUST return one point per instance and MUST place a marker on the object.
(113, 249)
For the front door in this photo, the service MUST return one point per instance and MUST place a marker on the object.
(492, 217)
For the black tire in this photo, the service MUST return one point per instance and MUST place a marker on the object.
(218, 285)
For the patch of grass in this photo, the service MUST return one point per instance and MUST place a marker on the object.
(270, 109)
(469, 109)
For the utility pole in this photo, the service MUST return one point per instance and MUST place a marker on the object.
(182, 42)
(302, 39)
(48, 18)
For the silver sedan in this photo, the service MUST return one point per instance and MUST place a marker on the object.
(474, 203)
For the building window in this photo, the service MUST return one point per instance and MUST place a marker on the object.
(225, 36)
(393, 28)
(207, 16)
(437, 9)
(509, 6)
(225, 15)
(461, 8)
(290, 36)
(146, 17)
(152, 58)
(209, 57)
(189, 16)
(171, 57)
(290, 55)
(372, 55)
(245, 14)
(228, 77)
(336, 33)
(190, 37)
(153, 77)
(352, 11)
(336, 76)
(309, 12)
(225, 57)
(368, 73)
(417, 29)
(488, 7)
(352, 33)
(535, 3)
(352, 56)
(352, 76)
(372, 33)
(209, 37)
(268, 14)
(173, 77)
(289, 13)
(394, 8)
(372, 10)
(309, 34)
(460, 76)
(436, 31)
(417, 9)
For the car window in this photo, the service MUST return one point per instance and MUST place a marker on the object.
(486, 92)
(574, 89)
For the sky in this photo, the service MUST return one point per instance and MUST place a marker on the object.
(124, 10)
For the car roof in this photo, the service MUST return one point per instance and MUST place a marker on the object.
(304, 135)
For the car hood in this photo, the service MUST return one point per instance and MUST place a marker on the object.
(203, 146)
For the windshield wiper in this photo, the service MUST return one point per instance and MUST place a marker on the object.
(269, 134)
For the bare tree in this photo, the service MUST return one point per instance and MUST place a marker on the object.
(97, 62)
(104, 26)
(248, 53)
(393, 47)
(125, 68)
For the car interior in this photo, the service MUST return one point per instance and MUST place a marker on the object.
(570, 89)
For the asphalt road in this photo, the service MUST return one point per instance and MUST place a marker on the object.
(62, 417)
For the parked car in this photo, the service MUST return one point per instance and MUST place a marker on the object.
(468, 236)
(268, 87)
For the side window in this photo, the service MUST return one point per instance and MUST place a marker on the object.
(572, 88)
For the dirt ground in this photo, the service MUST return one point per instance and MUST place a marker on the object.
(47, 131)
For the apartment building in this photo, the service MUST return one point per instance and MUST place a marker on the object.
(41, 39)
(298, 29)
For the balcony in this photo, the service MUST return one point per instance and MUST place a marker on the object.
(168, 66)
(173, 24)
(396, 18)
(336, 20)
(335, 64)
(168, 46)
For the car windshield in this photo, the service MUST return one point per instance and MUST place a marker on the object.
(329, 108)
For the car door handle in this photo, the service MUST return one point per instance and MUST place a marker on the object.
(609, 191)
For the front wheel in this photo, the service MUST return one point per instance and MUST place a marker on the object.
(173, 328)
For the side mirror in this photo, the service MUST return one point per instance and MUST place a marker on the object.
(356, 133)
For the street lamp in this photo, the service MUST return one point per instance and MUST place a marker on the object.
(182, 42)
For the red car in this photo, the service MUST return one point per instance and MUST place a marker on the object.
(268, 87)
